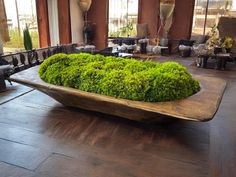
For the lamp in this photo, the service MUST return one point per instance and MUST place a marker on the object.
(166, 11)
(84, 5)
(88, 31)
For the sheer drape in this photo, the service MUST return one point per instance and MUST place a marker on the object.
(53, 22)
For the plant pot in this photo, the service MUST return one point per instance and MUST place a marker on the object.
(143, 47)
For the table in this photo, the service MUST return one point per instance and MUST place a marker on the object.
(164, 49)
(145, 56)
(221, 59)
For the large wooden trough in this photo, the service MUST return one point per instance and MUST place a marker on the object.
(199, 107)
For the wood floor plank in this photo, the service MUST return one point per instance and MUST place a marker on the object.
(7, 170)
(93, 167)
(37, 133)
(21, 155)
(13, 91)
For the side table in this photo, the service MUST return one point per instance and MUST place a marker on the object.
(221, 59)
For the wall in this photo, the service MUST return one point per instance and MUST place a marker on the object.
(97, 14)
(148, 13)
(61, 30)
(43, 24)
(182, 20)
(77, 23)
(64, 21)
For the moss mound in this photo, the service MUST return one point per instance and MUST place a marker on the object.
(119, 77)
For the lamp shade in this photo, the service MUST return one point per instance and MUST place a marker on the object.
(84, 5)
(166, 15)
(166, 8)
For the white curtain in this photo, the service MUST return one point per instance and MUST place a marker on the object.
(53, 22)
(77, 22)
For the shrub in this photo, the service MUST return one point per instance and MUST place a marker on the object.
(119, 77)
(27, 39)
(52, 60)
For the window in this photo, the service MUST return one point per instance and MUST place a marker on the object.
(208, 12)
(19, 13)
(123, 17)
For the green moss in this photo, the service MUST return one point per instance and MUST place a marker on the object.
(119, 77)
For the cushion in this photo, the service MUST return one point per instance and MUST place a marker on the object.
(201, 39)
(186, 42)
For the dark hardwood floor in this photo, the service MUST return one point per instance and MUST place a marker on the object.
(39, 137)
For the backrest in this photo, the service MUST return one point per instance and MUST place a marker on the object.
(202, 39)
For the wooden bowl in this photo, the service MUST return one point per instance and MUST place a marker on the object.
(201, 106)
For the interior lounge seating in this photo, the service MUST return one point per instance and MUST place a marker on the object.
(187, 47)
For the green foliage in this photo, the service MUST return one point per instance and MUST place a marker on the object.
(45, 68)
(119, 77)
(128, 29)
(227, 42)
(16, 41)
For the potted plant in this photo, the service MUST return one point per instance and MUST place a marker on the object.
(227, 44)
(214, 42)
(28, 44)
(27, 39)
